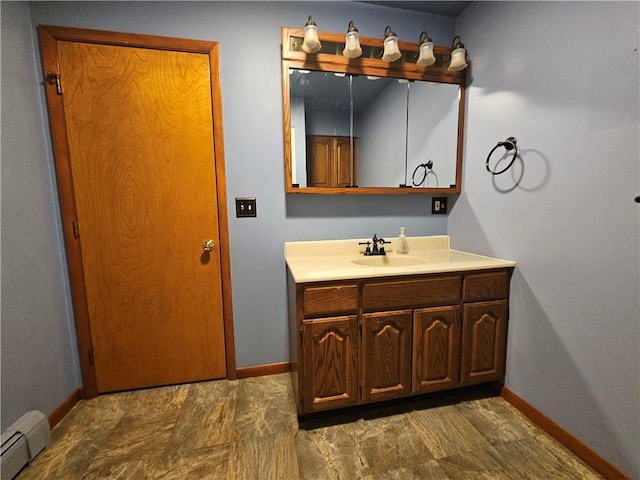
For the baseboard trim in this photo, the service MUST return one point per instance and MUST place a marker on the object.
(262, 370)
(64, 408)
(579, 449)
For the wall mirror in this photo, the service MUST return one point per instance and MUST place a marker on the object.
(362, 126)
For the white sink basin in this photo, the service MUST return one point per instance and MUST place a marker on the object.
(388, 261)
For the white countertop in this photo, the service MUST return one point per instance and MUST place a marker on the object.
(318, 261)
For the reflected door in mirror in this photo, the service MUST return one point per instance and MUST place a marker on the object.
(329, 161)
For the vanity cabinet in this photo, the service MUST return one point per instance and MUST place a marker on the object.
(330, 378)
(386, 352)
(436, 348)
(485, 326)
(329, 161)
(373, 339)
(328, 336)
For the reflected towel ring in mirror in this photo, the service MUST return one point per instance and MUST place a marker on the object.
(422, 170)
(509, 144)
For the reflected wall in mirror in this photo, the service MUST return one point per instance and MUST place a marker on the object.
(356, 126)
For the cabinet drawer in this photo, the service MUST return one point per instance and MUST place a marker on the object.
(486, 286)
(423, 292)
(330, 300)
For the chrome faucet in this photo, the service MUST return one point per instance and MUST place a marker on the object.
(376, 250)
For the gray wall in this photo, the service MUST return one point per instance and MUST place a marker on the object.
(39, 360)
(433, 132)
(562, 77)
(570, 223)
(382, 137)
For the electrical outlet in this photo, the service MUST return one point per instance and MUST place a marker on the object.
(438, 205)
(245, 207)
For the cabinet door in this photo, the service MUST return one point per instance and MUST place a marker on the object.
(330, 363)
(484, 341)
(436, 348)
(320, 162)
(343, 166)
(386, 354)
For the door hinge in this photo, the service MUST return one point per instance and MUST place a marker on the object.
(54, 78)
(76, 230)
(91, 359)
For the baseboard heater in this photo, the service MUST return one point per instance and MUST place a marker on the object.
(22, 442)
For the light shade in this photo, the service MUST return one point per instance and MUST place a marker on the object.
(352, 48)
(458, 56)
(426, 57)
(311, 43)
(391, 49)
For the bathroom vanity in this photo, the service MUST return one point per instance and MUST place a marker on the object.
(371, 328)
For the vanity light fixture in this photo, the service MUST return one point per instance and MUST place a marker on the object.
(352, 48)
(311, 43)
(458, 60)
(426, 57)
(391, 49)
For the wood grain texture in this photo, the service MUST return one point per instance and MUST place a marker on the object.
(330, 300)
(420, 292)
(65, 407)
(479, 287)
(330, 363)
(346, 173)
(247, 429)
(386, 355)
(451, 344)
(212, 50)
(320, 162)
(484, 341)
(329, 161)
(141, 142)
(50, 36)
(66, 197)
(436, 348)
(263, 370)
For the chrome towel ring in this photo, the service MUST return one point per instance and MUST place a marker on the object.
(509, 144)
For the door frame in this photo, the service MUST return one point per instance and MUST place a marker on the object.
(49, 36)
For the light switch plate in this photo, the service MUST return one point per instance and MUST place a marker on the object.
(439, 205)
(246, 207)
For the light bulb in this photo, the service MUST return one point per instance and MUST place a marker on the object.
(391, 50)
(311, 43)
(426, 57)
(352, 48)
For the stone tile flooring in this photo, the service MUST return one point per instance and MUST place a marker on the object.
(248, 429)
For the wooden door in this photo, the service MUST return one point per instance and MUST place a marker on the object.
(386, 350)
(329, 161)
(143, 170)
(484, 341)
(345, 170)
(436, 348)
(329, 360)
(319, 162)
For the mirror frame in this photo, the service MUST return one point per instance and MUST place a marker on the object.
(292, 57)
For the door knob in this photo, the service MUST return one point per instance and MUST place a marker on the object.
(208, 245)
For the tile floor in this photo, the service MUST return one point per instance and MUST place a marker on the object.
(248, 429)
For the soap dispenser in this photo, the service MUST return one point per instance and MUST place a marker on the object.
(403, 245)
